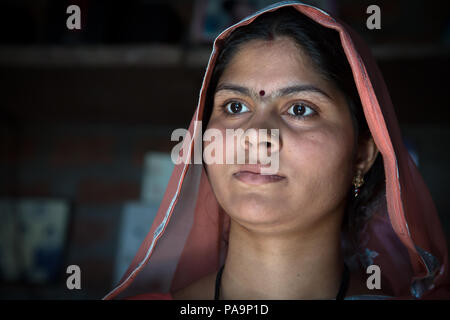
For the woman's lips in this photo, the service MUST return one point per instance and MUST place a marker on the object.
(256, 178)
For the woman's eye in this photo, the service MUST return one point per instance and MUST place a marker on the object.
(300, 110)
(236, 107)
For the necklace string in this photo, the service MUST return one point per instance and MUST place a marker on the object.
(340, 295)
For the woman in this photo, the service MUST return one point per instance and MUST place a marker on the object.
(345, 199)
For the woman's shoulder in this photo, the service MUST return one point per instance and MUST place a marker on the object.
(203, 289)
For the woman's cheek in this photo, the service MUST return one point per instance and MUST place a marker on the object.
(214, 157)
(317, 164)
(319, 153)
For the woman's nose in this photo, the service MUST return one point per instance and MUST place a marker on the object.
(261, 139)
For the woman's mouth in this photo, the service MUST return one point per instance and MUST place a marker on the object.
(252, 175)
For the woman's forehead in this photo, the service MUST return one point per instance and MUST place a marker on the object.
(270, 65)
(279, 49)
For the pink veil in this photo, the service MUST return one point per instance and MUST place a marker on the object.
(404, 237)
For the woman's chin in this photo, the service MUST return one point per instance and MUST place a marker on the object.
(257, 210)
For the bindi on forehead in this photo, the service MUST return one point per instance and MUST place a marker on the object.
(262, 93)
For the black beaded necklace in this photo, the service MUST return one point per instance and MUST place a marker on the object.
(340, 295)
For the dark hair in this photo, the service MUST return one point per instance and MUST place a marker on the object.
(324, 48)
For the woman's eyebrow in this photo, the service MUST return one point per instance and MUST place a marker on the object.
(300, 88)
(278, 93)
(232, 87)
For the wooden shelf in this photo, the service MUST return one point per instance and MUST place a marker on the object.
(103, 56)
(159, 84)
(162, 55)
(410, 51)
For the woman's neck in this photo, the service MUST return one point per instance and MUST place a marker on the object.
(287, 266)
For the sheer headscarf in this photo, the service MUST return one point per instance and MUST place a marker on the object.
(188, 238)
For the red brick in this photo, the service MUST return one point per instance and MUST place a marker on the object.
(32, 189)
(14, 151)
(86, 150)
(96, 272)
(89, 232)
(151, 144)
(106, 192)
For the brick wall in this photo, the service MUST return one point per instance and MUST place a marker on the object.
(97, 168)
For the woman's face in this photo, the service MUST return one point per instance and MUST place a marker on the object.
(316, 139)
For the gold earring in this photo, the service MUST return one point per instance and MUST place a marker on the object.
(358, 181)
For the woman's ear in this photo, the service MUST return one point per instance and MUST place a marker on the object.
(366, 154)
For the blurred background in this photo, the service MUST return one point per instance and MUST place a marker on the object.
(86, 118)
